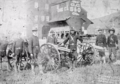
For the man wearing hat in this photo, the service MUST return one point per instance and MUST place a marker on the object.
(101, 41)
(72, 45)
(3, 47)
(51, 38)
(33, 45)
(112, 43)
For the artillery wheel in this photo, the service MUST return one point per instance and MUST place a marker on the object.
(50, 57)
(82, 47)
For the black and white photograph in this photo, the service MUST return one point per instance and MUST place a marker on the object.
(59, 41)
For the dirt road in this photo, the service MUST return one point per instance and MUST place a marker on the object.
(94, 74)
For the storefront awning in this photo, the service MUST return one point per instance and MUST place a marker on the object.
(74, 22)
(57, 19)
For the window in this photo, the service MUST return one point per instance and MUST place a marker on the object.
(36, 18)
(66, 35)
(35, 26)
(43, 18)
(62, 35)
(36, 5)
(47, 18)
(46, 6)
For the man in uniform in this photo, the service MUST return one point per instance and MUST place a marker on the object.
(101, 41)
(3, 47)
(33, 45)
(51, 38)
(72, 38)
(17, 49)
(26, 54)
(112, 43)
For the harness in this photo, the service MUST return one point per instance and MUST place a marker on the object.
(18, 48)
(72, 40)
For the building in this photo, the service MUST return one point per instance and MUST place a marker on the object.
(46, 14)
(37, 15)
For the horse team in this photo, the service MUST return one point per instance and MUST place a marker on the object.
(20, 50)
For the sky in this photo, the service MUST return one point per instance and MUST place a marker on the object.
(13, 15)
(100, 8)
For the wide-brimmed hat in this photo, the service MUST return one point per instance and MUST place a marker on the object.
(112, 29)
(72, 30)
(52, 32)
(34, 29)
(100, 29)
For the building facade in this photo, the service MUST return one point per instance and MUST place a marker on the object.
(37, 15)
(47, 12)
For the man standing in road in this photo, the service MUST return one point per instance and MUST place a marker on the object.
(33, 45)
(112, 43)
(72, 39)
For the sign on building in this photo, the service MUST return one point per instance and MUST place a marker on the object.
(66, 9)
(73, 6)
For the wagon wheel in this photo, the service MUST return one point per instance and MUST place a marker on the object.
(82, 47)
(50, 57)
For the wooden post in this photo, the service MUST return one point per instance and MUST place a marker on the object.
(40, 31)
(1, 62)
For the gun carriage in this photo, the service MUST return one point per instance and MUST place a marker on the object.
(54, 55)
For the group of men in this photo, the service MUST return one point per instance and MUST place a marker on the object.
(31, 46)
(110, 43)
(21, 48)
(72, 44)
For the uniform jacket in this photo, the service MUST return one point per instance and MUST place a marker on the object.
(52, 40)
(112, 40)
(3, 45)
(72, 41)
(18, 44)
(32, 43)
(101, 40)
(25, 45)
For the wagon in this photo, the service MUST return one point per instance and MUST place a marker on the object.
(54, 55)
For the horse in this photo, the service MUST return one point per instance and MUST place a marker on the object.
(6, 52)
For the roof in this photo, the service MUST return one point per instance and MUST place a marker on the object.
(56, 19)
(55, 2)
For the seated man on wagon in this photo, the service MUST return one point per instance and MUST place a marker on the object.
(52, 38)
(72, 45)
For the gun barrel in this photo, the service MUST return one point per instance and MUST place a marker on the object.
(88, 35)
